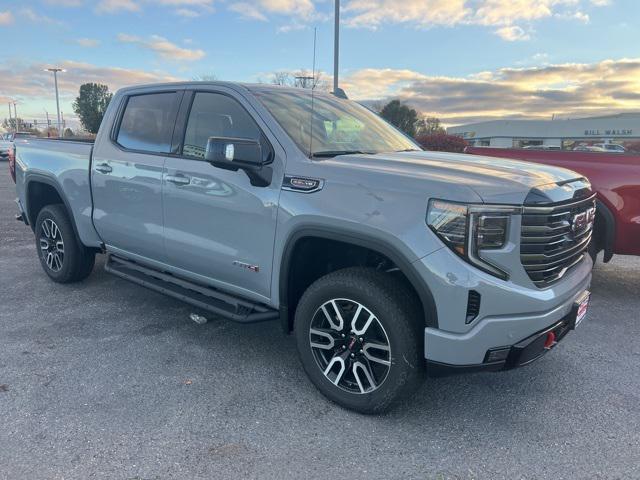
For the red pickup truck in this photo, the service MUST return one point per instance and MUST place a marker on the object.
(616, 179)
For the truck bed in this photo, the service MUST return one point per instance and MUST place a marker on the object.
(63, 165)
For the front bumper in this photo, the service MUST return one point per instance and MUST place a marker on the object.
(522, 353)
(510, 314)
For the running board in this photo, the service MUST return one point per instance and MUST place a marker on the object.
(206, 298)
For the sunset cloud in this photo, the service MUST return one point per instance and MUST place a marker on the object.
(569, 90)
(31, 85)
(507, 17)
(163, 47)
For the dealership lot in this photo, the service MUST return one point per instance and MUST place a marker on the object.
(105, 379)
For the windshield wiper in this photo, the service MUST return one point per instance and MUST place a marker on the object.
(335, 153)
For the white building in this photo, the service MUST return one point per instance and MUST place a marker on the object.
(621, 128)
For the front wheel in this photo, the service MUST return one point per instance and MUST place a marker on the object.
(359, 339)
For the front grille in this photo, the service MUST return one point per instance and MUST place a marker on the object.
(554, 238)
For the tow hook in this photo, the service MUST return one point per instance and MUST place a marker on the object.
(550, 341)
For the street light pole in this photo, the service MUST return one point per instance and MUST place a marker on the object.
(336, 45)
(55, 81)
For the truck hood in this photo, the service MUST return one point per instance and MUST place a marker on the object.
(495, 180)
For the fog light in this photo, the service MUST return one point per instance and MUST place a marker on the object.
(497, 354)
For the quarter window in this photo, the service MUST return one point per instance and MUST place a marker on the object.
(148, 121)
(216, 115)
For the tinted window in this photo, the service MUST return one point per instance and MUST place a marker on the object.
(216, 115)
(147, 122)
(333, 125)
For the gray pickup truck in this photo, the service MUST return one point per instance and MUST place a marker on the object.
(258, 202)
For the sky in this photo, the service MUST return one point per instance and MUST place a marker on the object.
(459, 60)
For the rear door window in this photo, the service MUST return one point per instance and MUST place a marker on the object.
(147, 122)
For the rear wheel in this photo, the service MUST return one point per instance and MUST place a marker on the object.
(359, 340)
(63, 258)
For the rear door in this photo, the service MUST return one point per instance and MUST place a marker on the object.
(218, 227)
(126, 174)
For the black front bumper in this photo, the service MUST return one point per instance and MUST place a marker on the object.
(520, 354)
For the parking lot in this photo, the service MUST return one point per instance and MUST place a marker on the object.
(105, 379)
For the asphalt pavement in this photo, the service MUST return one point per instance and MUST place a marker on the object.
(105, 379)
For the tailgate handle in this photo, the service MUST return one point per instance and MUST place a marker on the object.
(178, 179)
(103, 168)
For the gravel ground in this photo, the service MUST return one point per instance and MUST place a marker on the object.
(105, 379)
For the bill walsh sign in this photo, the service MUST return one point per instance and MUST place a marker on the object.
(607, 133)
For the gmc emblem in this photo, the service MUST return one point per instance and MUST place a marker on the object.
(582, 221)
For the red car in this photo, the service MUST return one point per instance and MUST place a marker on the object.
(616, 179)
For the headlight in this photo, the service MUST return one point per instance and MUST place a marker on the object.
(470, 229)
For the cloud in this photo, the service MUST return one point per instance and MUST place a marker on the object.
(372, 13)
(184, 8)
(6, 18)
(64, 3)
(163, 47)
(87, 42)
(117, 6)
(571, 89)
(507, 16)
(33, 88)
(187, 13)
(301, 10)
(512, 33)
(35, 17)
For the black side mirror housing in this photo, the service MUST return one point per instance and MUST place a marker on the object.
(235, 154)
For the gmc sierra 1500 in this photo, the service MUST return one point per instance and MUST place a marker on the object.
(259, 202)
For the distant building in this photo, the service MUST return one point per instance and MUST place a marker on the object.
(567, 134)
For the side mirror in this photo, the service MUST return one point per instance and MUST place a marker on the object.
(233, 153)
(236, 154)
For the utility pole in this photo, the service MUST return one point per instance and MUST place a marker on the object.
(48, 123)
(55, 81)
(336, 45)
(10, 117)
(15, 115)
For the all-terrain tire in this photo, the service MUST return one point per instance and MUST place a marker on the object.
(399, 319)
(63, 258)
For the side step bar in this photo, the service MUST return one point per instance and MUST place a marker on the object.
(206, 298)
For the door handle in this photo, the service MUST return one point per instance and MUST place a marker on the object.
(103, 168)
(178, 179)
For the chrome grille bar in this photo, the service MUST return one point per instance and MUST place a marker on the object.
(550, 243)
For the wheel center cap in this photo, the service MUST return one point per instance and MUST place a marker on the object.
(352, 342)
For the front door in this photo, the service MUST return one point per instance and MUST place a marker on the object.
(126, 175)
(217, 226)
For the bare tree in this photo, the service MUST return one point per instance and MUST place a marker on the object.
(283, 78)
(300, 79)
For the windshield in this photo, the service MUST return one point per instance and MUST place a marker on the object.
(338, 126)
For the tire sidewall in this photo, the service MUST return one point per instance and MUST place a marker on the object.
(68, 237)
(405, 357)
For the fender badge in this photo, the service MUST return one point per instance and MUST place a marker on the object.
(302, 184)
